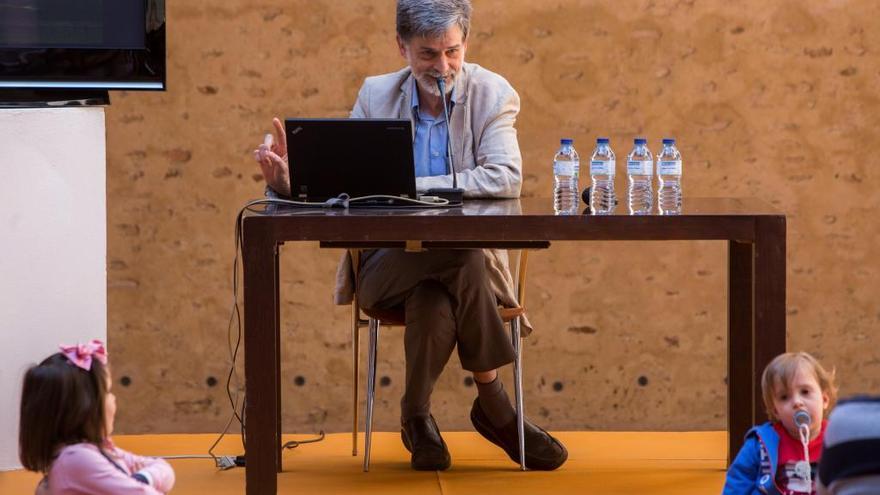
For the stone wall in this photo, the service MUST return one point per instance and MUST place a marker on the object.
(775, 100)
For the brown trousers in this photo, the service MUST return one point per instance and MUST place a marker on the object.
(448, 301)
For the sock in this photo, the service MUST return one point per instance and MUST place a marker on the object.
(495, 403)
(408, 411)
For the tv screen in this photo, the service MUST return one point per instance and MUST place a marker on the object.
(82, 44)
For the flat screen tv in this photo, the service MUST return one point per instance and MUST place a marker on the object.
(61, 45)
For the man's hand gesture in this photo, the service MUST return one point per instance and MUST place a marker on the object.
(272, 157)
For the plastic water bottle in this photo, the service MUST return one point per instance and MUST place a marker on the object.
(602, 167)
(640, 170)
(669, 175)
(566, 165)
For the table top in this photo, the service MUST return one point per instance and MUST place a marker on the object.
(533, 207)
(511, 219)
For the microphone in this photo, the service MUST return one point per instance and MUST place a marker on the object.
(802, 418)
(441, 85)
(585, 197)
(453, 195)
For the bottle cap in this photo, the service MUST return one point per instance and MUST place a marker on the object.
(566, 141)
(641, 141)
(602, 140)
(668, 141)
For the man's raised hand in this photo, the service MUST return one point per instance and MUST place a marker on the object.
(272, 157)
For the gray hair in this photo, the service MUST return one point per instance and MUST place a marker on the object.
(432, 18)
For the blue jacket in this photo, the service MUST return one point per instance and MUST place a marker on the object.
(753, 472)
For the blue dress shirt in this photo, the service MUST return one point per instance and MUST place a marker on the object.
(429, 146)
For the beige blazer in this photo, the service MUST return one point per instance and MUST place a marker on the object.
(485, 151)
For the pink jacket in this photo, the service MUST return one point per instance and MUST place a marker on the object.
(83, 469)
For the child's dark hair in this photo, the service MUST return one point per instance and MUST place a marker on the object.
(61, 404)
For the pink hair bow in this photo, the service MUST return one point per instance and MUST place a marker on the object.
(81, 354)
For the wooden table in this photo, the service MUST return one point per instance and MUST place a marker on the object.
(754, 231)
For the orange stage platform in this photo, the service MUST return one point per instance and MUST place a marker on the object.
(608, 463)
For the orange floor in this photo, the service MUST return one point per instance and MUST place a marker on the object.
(599, 463)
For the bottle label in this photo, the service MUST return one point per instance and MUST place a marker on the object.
(669, 167)
(602, 167)
(640, 167)
(564, 167)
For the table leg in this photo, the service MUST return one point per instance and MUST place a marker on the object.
(261, 337)
(278, 429)
(769, 296)
(741, 381)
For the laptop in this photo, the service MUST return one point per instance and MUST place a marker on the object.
(358, 157)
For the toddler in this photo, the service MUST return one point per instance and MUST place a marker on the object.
(798, 393)
(67, 413)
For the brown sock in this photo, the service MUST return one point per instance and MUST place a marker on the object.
(409, 411)
(495, 403)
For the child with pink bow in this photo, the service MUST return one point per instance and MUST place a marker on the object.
(67, 412)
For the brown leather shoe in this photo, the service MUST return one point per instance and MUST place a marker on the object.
(421, 436)
(543, 452)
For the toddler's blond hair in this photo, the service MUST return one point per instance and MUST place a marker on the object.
(781, 371)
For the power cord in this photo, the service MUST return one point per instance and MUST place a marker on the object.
(345, 201)
(227, 462)
(238, 409)
(296, 443)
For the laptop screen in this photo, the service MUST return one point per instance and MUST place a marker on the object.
(359, 157)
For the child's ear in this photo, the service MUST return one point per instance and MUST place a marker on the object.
(825, 401)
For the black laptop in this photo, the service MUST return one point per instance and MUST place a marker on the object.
(359, 157)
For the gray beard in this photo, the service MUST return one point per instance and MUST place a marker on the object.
(429, 83)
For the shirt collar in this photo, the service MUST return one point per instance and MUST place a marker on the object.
(414, 90)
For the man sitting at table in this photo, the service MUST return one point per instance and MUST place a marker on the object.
(450, 296)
